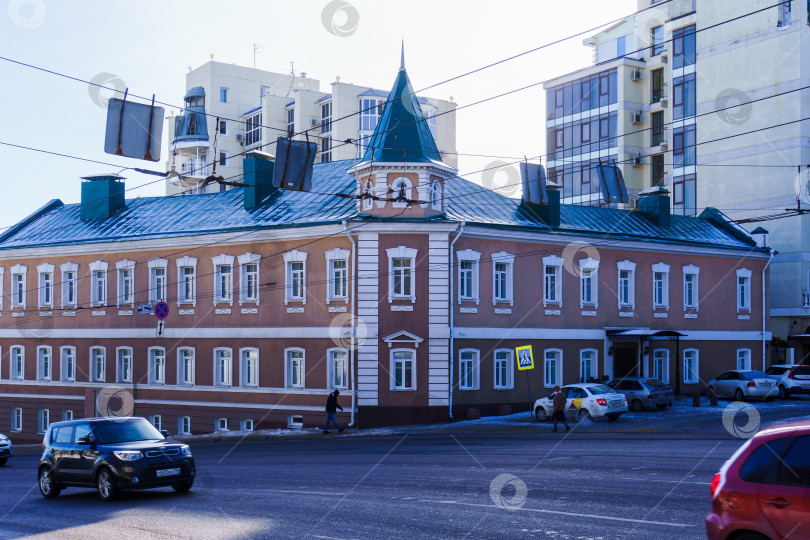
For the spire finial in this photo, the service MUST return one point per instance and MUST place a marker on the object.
(402, 59)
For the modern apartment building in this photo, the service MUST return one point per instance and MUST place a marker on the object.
(703, 98)
(231, 109)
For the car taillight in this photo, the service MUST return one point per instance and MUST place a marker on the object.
(715, 484)
(791, 375)
(752, 383)
(602, 402)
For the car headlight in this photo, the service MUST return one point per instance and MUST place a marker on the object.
(3, 437)
(185, 450)
(128, 455)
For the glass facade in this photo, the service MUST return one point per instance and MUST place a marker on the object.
(582, 95)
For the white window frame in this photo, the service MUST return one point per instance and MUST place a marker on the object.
(16, 355)
(368, 202)
(19, 275)
(157, 370)
(2, 275)
(436, 199)
(745, 275)
(509, 260)
(67, 416)
(245, 370)
(245, 275)
(16, 420)
(474, 258)
(70, 283)
(121, 355)
(395, 189)
(154, 266)
(661, 268)
(510, 369)
(181, 373)
(221, 424)
(247, 424)
(125, 266)
(288, 367)
(221, 262)
(475, 360)
(333, 256)
(95, 376)
(223, 378)
(223, 92)
(186, 262)
(392, 365)
(664, 355)
(552, 261)
(557, 368)
(331, 371)
(98, 271)
(44, 363)
(45, 285)
(594, 371)
(157, 421)
(184, 425)
(695, 371)
(291, 257)
(630, 268)
(691, 270)
(589, 270)
(401, 252)
(65, 373)
(745, 355)
(43, 420)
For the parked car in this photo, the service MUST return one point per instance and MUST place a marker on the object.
(112, 454)
(791, 379)
(585, 400)
(763, 490)
(5, 449)
(742, 384)
(643, 392)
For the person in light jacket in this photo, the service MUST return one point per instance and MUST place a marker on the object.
(558, 406)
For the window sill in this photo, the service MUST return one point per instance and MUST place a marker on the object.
(403, 389)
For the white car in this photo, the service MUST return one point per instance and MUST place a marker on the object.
(5, 449)
(791, 379)
(742, 384)
(585, 400)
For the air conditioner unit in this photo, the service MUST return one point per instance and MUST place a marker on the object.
(664, 144)
(637, 161)
(313, 122)
(664, 99)
(635, 75)
(240, 137)
(635, 118)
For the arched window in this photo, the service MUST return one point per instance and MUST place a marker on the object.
(193, 125)
(401, 190)
(436, 195)
(368, 202)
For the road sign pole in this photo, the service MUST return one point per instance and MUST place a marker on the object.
(531, 403)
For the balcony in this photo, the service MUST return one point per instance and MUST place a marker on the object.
(195, 168)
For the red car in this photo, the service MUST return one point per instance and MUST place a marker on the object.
(763, 491)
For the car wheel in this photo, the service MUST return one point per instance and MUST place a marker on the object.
(107, 487)
(47, 486)
(540, 414)
(182, 487)
(661, 406)
(637, 405)
(739, 395)
(613, 417)
(584, 414)
(3, 461)
(784, 393)
(751, 536)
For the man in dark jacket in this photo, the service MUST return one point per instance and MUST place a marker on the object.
(331, 408)
(558, 406)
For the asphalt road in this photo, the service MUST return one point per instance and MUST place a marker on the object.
(593, 483)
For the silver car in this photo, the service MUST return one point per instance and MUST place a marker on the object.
(642, 392)
(742, 384)
(791, 379)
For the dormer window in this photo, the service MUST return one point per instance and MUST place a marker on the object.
(368, 202)
(436, 196)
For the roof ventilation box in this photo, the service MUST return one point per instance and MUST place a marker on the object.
(539, 196)
(654, 203)
(102, 196)
(258, 170)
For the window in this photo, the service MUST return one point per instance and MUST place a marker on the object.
(223, 279)
(68, 361)
(223, 95)
(403, 369)
(587, 365)
(67, 416)
(621, 46)
(326, 150)
(368, 201)
(223, 127)
(184, 425)
(18, 274)
(157, 280)
(290, 122)
(157, 421)
(657, 40)
(684, 195)
(295, 421)
(401, 284)
(337, 265)
(187, 281)
(783, 20)
(436, 195)
(43, 420)
(221, 424)
(588, 282)
(249, 369)
(124, 364)
(690, 366)
(16, 419)
(683, 146)
(253, 129)
(683, 47)
(248, 424)
(44, 363)
(370, 111)
(743, 358)
(223, 158)
(157, 365)
(552, 368)
(794, 470)
(661, 365)
(691, 274)
(98, 364)
(657, 128)
(743, 289)
(402, 192)
(98, 280)
(468, 275)
(45, 295)
(660, 285)
(185, 365)
(684, 97)
(126, 282)
(326, 117)
(295, 368)
(504, 369)
(17, 355)
(552, 280)
(502, 289)
(193, 125)
(338, 374)
(249, 278)
(627, 283)
(70, 272)
(222, 367)
(657, 82)
(295, 277)
(657, 170)
(468, 367)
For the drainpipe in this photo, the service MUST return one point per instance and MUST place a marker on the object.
(354, 321)
(764, 315)
(452, 309)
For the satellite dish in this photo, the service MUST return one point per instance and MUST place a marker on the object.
(802, 186)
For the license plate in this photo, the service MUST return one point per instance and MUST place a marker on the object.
(614, 404)
(766, 385)
(162, 473)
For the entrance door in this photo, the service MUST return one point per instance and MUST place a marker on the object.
(625, 362)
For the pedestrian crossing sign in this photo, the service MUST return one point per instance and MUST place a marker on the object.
(525, 360)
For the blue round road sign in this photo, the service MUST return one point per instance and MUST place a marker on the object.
(161, 310)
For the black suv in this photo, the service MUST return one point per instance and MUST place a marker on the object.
(112, 454)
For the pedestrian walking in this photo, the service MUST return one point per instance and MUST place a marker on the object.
(558, 406)
(331, 408)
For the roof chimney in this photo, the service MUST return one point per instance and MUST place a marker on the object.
(654, 204)
(540, 197)
(102, 196)
(761, 237)
(258, 170)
